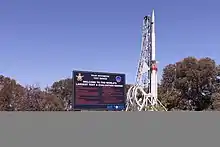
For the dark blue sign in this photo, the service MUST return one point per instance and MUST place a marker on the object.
(98, 90)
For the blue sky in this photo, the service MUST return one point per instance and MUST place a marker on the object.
(42, 41)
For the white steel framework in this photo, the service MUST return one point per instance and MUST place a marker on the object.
(143, 95)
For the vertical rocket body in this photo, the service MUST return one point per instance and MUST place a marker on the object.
(153, 36)
(153, 59)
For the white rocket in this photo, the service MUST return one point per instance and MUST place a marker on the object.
(153, 59)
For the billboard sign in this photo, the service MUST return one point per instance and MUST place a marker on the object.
(98, 90)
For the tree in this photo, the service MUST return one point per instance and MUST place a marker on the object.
(189, 84)
(10, 94)
(63, 90)
(14, 97)
(37, 100)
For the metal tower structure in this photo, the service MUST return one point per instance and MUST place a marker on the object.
(143, 95)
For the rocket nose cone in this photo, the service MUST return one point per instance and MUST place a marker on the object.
(153, 16)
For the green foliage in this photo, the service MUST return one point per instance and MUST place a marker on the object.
(63, 90)
(189, 85)
(14, 97)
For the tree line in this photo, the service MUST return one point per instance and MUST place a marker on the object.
(191, 85)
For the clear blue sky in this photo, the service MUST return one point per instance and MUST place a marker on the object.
(44, 40)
